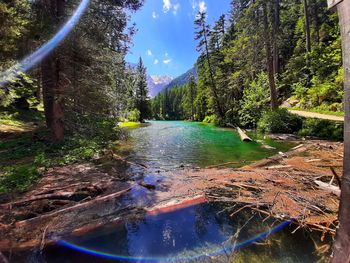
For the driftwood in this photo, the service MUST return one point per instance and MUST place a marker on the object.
(78, 207)
(244, 137)
(328, 187)
(278, 167)
(224, 164)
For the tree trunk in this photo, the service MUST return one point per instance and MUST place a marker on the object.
(269, 61)
(307, 26)
(276, 26)
(341, 247)
(52, 83)
(215, 93)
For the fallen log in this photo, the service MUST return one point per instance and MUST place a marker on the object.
(77, 207)
(244, 137)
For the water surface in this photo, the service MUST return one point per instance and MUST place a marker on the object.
(170, 144)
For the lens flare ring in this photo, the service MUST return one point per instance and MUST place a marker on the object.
(223, 251)
(30, 61)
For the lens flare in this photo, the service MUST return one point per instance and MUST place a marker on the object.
(224, 251)
(33, 59)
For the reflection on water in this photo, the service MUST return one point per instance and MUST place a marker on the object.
(201, 233)
(168, 145)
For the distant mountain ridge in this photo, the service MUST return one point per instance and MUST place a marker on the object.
(183, 79)
(156, 84)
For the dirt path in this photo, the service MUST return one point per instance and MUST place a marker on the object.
(307, 114)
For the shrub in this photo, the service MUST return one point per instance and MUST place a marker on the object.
(322, 129)
(134, 115)
(279, 121)
(210, 119)
(255, 101)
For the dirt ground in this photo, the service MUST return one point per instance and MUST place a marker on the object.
(78, 198)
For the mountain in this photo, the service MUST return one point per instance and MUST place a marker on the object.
(183, 79)
(156, 84)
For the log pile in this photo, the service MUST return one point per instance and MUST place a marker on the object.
(294, 187)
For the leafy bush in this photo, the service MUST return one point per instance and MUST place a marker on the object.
(322, 129)
(134, 115)
(255, 101)
(279, 121)
(210, 119)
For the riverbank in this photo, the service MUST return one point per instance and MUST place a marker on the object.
(79, 198)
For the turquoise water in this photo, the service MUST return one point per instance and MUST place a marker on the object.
(170, 144)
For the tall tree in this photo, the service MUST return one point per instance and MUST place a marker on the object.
(142, 99)
(192, 94)
(202, 35)
(269, 59)
(276, 31)
(52, 78)
(307, 26)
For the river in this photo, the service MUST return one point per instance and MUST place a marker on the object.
(202, 232)
(168, 145)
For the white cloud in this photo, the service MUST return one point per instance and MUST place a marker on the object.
(166, 6)
(149, 53)
(176, 7)
(156, 61)
(155, 15)
(202, 7)
(166, 61)
(194, 4)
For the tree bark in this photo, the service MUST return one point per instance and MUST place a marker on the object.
(276, 26)
(307, 26)
(53, 87)
(341, 246)
(269, 60)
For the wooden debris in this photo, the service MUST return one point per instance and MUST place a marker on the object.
(243, 135)
(328, 187)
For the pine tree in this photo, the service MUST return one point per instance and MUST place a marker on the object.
(142, 99)
(202, 35)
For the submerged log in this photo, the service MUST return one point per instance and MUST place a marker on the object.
(244, 137)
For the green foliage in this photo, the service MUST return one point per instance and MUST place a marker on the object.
(212, 119)
(255, 101)
(19, 177)
(134, 115)
(322, 129)
(279, 121)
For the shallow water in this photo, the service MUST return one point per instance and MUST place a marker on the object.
(200, 233)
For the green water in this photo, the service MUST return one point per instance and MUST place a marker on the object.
(170, 144)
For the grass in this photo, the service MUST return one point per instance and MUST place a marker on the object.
(130, 124)
(24, 157)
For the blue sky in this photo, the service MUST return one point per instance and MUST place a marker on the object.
(165, 37)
